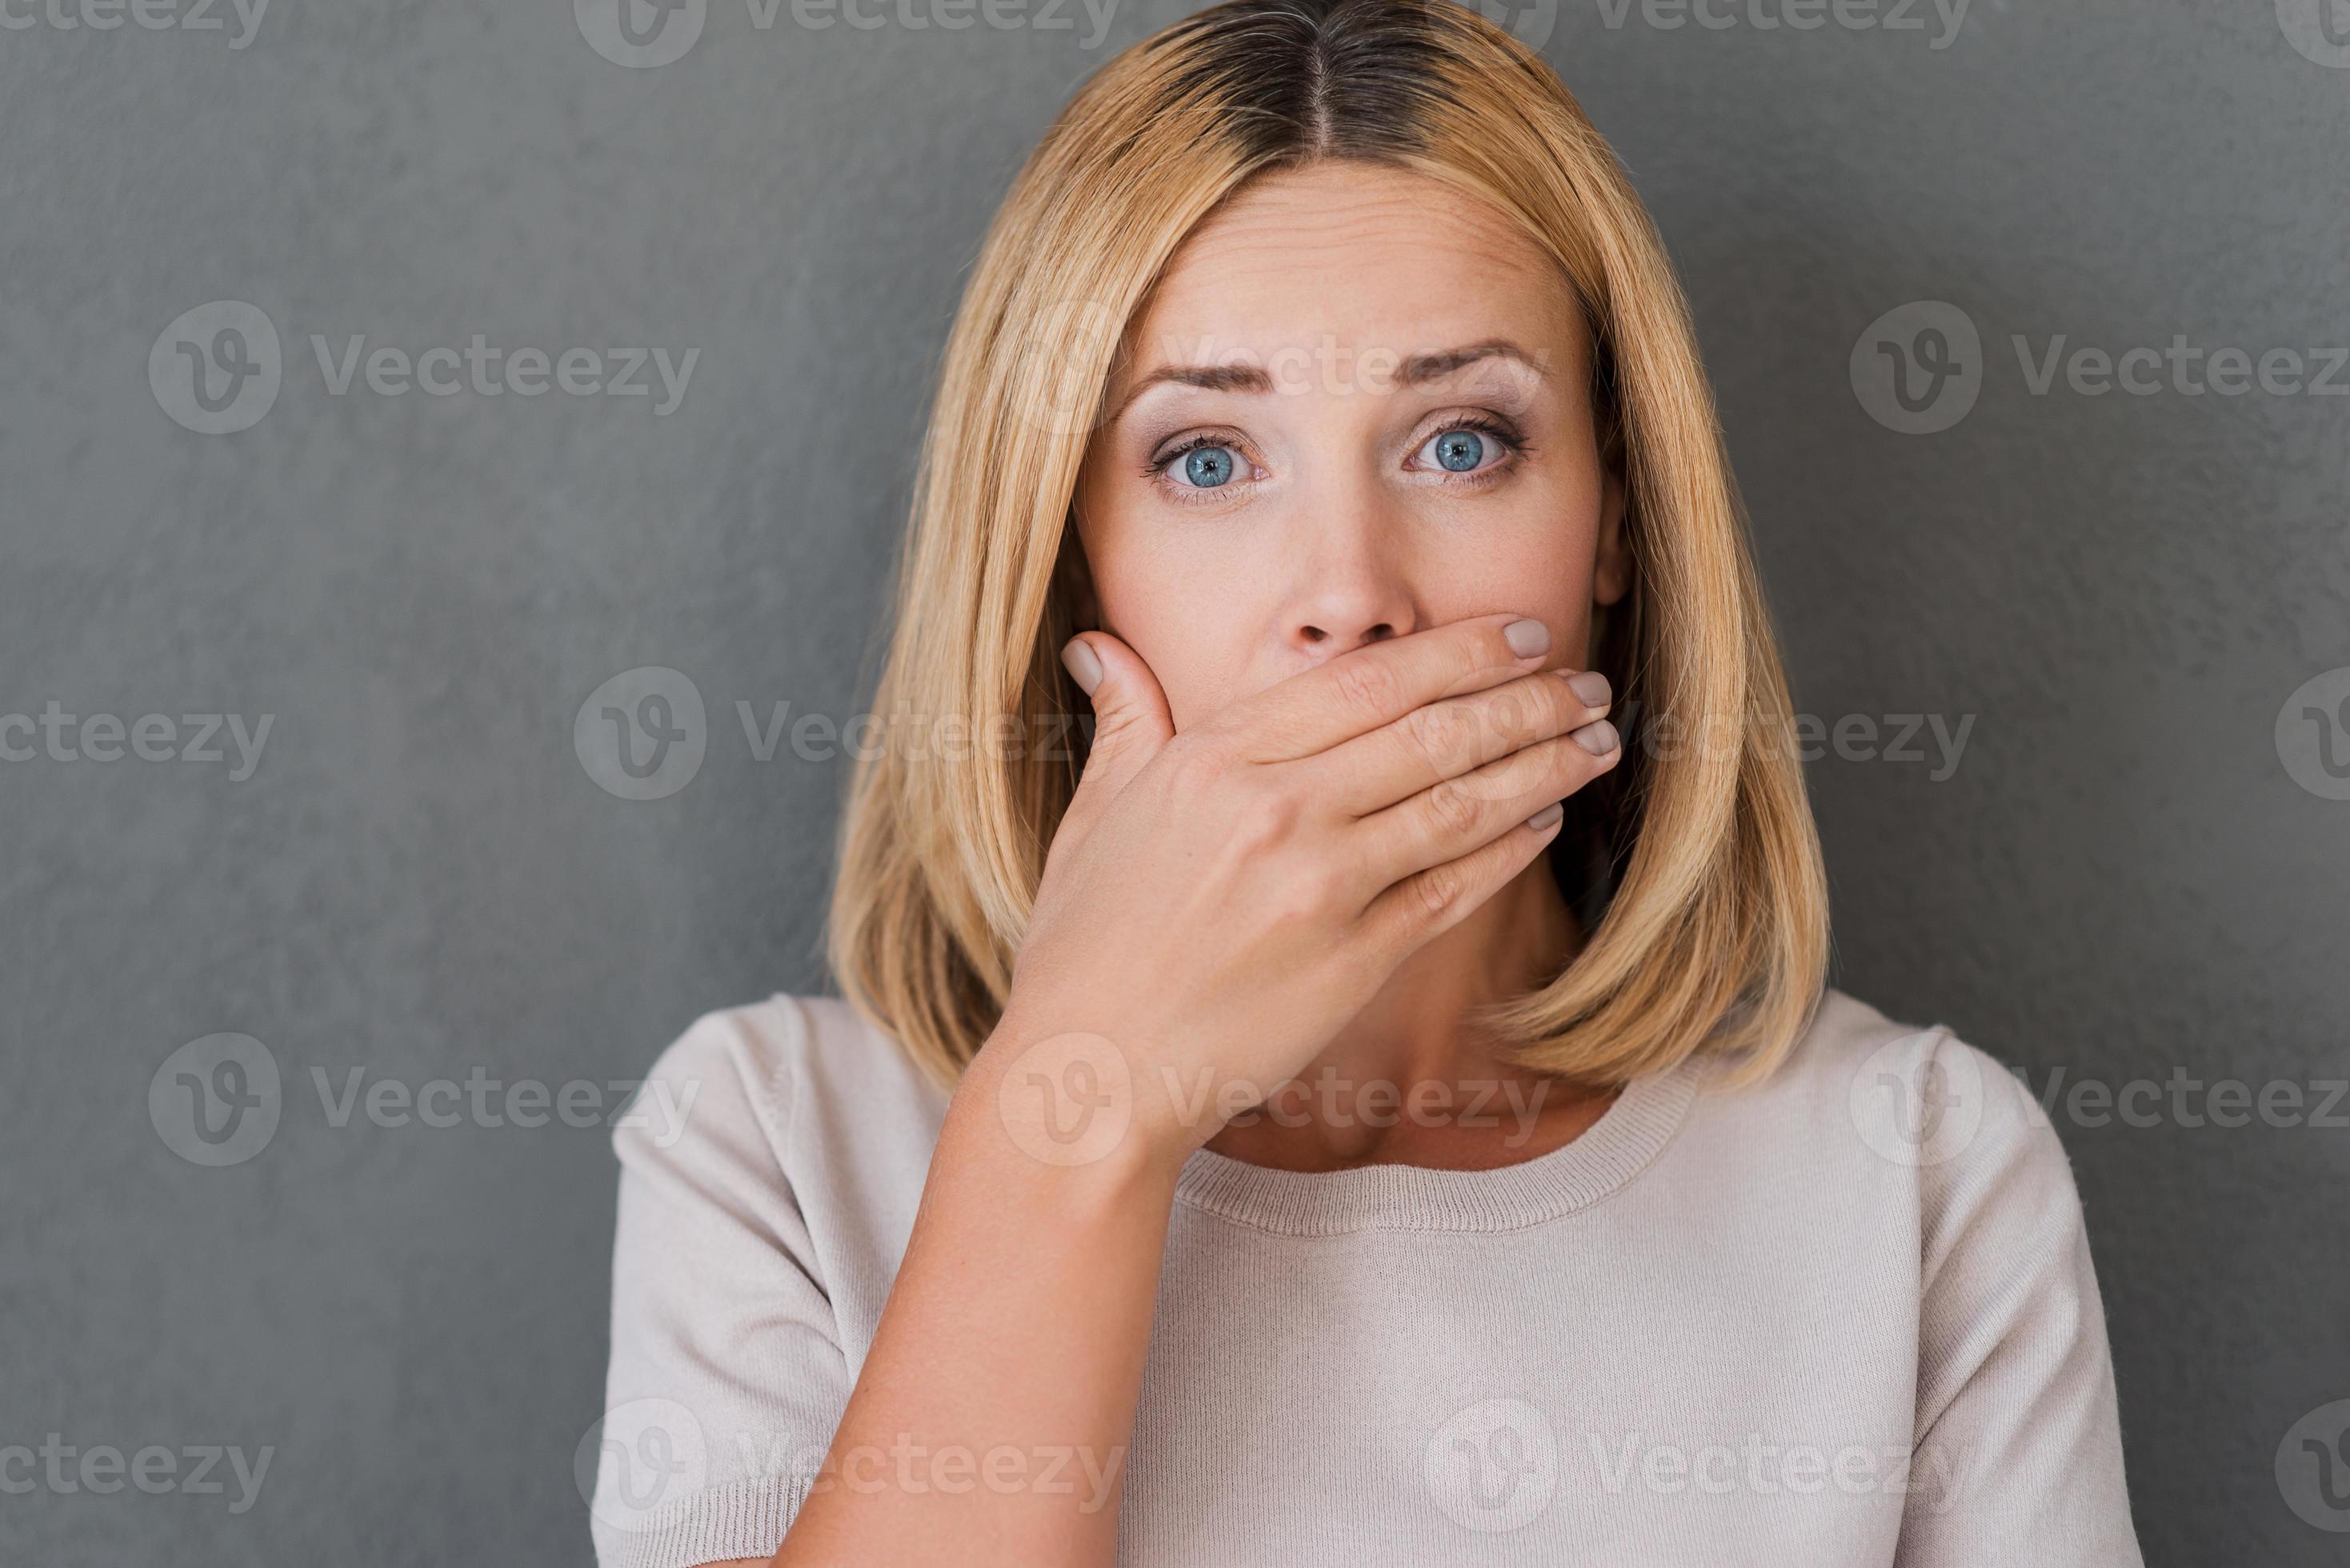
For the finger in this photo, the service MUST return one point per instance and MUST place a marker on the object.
(1360, 691)
(1456, 816)
(1433, 901)
(1451, 738)
(1132, 723)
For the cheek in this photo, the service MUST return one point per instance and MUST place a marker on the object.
(1547, 573)
(1539, 561)
(1188, 620)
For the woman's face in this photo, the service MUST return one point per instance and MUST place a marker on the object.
(1357, 406)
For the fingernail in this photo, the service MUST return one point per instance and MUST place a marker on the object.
(1590, 688)
(1597, 737)
(1082, 665)
(1527, 638)
(1541, 820)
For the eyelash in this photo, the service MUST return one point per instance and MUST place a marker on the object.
(1515, 448)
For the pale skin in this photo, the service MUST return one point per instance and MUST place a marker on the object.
(1343, 607)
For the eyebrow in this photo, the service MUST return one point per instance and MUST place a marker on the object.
(1417, 370)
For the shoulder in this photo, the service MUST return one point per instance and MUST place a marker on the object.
(1912, 1107)
(790, 1075)
(1929, 1179)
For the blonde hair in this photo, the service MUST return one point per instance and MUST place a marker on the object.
(1701, 882)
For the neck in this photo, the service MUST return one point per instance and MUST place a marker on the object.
(1411, 1080)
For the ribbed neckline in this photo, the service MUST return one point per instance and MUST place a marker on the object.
(1609, 1153)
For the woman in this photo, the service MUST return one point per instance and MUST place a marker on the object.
(1359, 1109)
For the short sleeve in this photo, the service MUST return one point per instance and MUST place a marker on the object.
(2018, 1454)
(726, 1378)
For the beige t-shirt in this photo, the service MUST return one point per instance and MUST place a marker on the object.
(1845, 1317)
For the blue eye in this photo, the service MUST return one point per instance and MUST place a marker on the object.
(1209, 466)
(1475, 446)
(1458, 451)
(1204, 463)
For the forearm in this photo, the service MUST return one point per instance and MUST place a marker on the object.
(992, 1418)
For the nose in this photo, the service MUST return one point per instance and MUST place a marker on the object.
(1351, 586)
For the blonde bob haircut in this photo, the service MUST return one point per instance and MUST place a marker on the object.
(1694, 864)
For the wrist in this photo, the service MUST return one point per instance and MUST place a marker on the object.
(1078, 1101)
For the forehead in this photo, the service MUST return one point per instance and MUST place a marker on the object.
(1362, 255)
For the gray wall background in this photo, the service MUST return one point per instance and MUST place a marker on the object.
(2137, 869)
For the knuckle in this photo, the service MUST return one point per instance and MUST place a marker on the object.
(1488, 649)
(1440, 732)
(1438, 889)
(1311, 897)
(1264, 815)
(1452, 809)
(1368, 688)
(1529, 709)
(1554, 704)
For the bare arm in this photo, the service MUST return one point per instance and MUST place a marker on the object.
(992, 1420)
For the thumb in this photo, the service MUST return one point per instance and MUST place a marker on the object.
(1130, 719)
